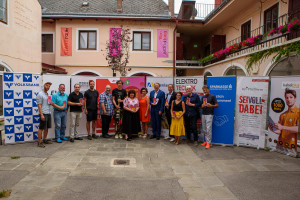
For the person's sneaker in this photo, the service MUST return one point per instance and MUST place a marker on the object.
(47, 142)
(89, 137)
(41, 145)
(72, 140)
(58, 141)
(78, 138)
(195, 143)
(116, 136)
(65, 139)
(95, 136)
(120, 136)
(172, 139)
(204, 143)
(167, 137)
(207, 146)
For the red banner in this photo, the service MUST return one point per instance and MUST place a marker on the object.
(66, 42)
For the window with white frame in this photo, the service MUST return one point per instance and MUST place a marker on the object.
(3, 11)
(87, 40)
(141, 41)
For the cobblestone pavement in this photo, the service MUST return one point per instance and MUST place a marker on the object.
(219, 173)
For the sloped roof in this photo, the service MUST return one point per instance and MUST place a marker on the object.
(105, 8)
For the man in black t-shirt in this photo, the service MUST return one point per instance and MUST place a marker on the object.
(75, 101)
(118, 95)
(209, 102)
(91, 108)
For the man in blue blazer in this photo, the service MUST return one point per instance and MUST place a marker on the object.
(157, 101)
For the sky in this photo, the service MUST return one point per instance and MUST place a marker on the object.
(178, 3)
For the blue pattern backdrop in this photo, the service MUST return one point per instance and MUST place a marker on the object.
(20, 108)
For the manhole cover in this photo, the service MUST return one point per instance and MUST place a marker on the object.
(121, 162)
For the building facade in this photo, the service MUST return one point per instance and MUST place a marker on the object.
(90, 24)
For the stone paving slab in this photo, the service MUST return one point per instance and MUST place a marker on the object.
(263, 185)
(92, 188)
(9, 178)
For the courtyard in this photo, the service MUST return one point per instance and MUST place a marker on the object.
(153, 170)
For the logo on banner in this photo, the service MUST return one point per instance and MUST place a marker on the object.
(18, 103)
(36, 119)
(8, 102)
(35, 136)
(278, 105)
(220, 120)
(252, 89)
(8, 77)
(18, 76)
(8, 94)
(34, 104)
(19, 129)
(8, 112)
(19, 120)
(27, 94)
(290, 85)
(28, 128)
(19, 137)
(36, 77)
(9, 85)
(9, 120)
(9, 129)
(221, 87)
(27, 77)
(18, 94)
(27, 111)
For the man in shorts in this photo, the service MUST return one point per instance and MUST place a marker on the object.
(44, 104)
(91, 107)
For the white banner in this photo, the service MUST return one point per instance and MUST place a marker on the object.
(284, 115)
(195, 82)
(163, 81)
(21, 116)
(56, 79)
(251, 111)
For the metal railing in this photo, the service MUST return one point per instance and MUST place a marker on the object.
(203, 10)
(267, 42)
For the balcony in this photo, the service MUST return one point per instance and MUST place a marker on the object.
(261, 39)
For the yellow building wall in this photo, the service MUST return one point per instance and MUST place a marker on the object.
(20, 39)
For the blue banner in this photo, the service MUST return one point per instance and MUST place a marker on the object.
(223, 123)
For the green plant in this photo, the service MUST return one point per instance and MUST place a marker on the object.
(5, 193)
(281, 51)
(15, 157)
(206, 59)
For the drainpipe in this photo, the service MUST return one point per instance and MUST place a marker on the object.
(174, 52)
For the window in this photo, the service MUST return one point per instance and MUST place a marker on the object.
(271, 18)
(3, 11)
(246, 30)
(142, 41)
(47, 43)
(235, 71)
(87, 40)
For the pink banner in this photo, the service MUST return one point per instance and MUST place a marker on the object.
(162, 43)
(115, 42)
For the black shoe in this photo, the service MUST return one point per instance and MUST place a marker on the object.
(157, 138)
(89, 137)
(128, 139)
(72, 140)
(106, 136)
(95, 136)
(78, 138)
(152, 136)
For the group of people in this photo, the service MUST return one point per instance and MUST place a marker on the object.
(131, 115)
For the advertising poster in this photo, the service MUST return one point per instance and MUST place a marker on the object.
(56, 80)
(251, 111)
(223, 123)
(195, 82)
(283, 121)
(163, 81)
(21, 116)
(133, 83)
(162, 43)
(83, 81)
(100, 86)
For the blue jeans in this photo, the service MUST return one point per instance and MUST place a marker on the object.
(60, 120)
